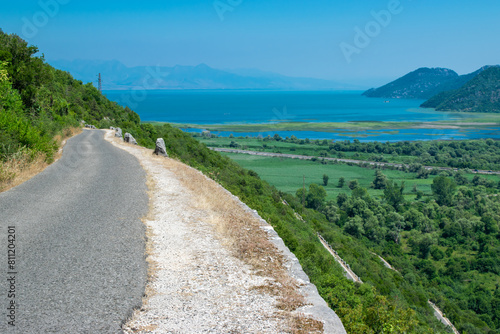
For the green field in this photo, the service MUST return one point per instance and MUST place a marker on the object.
(312, 148)
(287, 175)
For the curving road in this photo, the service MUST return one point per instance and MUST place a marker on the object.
(79, 263)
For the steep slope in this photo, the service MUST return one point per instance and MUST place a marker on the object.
(481, 94)
(420, 84)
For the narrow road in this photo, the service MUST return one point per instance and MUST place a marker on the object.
(79, 263)
(308, 157)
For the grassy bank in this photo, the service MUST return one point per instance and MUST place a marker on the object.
(25, 163)
(466, 121)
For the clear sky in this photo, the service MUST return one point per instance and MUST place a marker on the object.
(363, 42)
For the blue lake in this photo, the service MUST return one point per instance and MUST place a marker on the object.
(237, 107)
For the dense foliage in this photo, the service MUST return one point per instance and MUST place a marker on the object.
(449, 246)
(436, 244)
(481, 94)
(418, 238)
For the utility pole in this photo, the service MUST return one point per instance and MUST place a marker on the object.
(100, 84)
(303, 190)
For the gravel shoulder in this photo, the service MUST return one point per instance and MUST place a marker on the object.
(199, 279)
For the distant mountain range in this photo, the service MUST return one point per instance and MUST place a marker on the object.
(445, 90)
(116, 75)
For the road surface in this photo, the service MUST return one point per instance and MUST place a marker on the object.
(79, 263)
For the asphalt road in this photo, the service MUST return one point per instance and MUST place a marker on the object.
(79, 243)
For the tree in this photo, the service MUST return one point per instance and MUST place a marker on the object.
(422, 173)
(315, 197)
(460, 179)
(379, 181)
(419, 195)
(325, 179)
(395, 223)
(330, 211)
(422, 245)
(342, 182)
(353, 184)
(443, 189)
(393, 193)
(354, 226)
(341, 199)
(481, 181)
(437, 254)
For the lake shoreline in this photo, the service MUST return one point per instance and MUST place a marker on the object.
(330, 126)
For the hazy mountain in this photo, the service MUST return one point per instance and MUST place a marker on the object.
(481, 93)
(115, 75)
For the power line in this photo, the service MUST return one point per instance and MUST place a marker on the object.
(100, 83)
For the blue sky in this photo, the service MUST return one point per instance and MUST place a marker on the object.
(316, 38)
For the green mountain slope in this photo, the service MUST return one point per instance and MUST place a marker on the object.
(420, 84)
(481, 94)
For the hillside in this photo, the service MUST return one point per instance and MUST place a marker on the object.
(117, 76)
(420, 84)
(481, 94)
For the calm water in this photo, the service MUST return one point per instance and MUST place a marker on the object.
(229, 107)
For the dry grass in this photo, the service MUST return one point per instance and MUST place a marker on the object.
(242, 234)
(144, 329)
(304, 324)
(22, 166)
